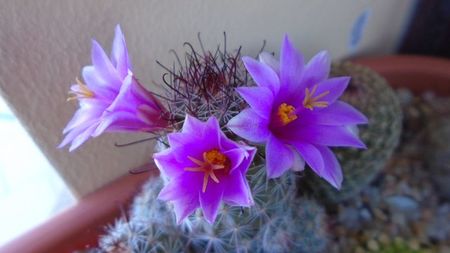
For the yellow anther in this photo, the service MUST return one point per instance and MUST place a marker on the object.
(82, 92)
(213, 160)
(310, 101)
(286, 113)
(215, 157)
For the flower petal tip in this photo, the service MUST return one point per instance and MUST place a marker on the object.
(286, 38)
(73, 147)
(364, 120)
(118, 31)
(248, 61)
(273, 174)
(61, 145)
(337, 186)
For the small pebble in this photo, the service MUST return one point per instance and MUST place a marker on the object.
(349, 218)
(414, 244)
(402, 203)
(365, 215)
(427, 214)
(373, 245)
(384, 239)
(360, 250)
(403, 206)
(379, 214)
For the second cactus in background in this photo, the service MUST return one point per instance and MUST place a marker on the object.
(371, 94)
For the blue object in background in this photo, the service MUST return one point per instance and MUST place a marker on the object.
(357, 32)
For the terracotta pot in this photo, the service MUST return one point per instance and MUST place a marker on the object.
(417, 73)
(79, 227)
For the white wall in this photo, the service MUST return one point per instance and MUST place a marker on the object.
(44, 44)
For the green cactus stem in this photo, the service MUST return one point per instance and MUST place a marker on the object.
(278, 222)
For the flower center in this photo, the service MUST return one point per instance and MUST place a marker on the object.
(213, 160)
(81, 91)
(310, 101)
(286, 113)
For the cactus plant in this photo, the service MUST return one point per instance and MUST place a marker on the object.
(371, 94)
(220, 198)
(278, 222)
(438, 153)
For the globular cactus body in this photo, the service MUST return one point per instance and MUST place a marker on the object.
(369, 93)
(278, 222)
(438, 154)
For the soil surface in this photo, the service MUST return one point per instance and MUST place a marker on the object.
(406, 209)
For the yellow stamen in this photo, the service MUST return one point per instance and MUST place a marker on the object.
(286, 113)
(214, 157)
(205, 182)
(84, 92)
(310, 101)
(212, 160)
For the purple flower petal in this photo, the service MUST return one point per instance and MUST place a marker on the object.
(239, 194)
(317, 69)
(210, 200)
(178, 192)
(195, 150)
(205, 168)
(334, 86)
(332, 171)
(337, 114)
(100, 87)
(73, 133)
(279, 157)
(299, 162)
(123, 95)
(227, 144)
(250, 153)
(103, 66)
(121, 121)
(260, 99)
(153, 119)
(81, 117)
(81, 138)
(119, 54)
(170, 192)
(126, 112)
(303, 113)
(92, 78)
(191, 125)
(291, 65)
(178, 139)
(167, 163)
(311, 155)
(236, 156)
(240, 157)
(332, 136)
(269, 60)
(263, 75)
(185, 207)
(181, 186)
(249, 125)
(211, 132)
(111, 99)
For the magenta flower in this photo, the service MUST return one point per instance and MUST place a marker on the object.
(112, 99)
(203, 168)
(294, 110)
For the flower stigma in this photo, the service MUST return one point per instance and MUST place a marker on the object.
(213, 160)
(82, 91)
(286, 114)
(310, 101)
